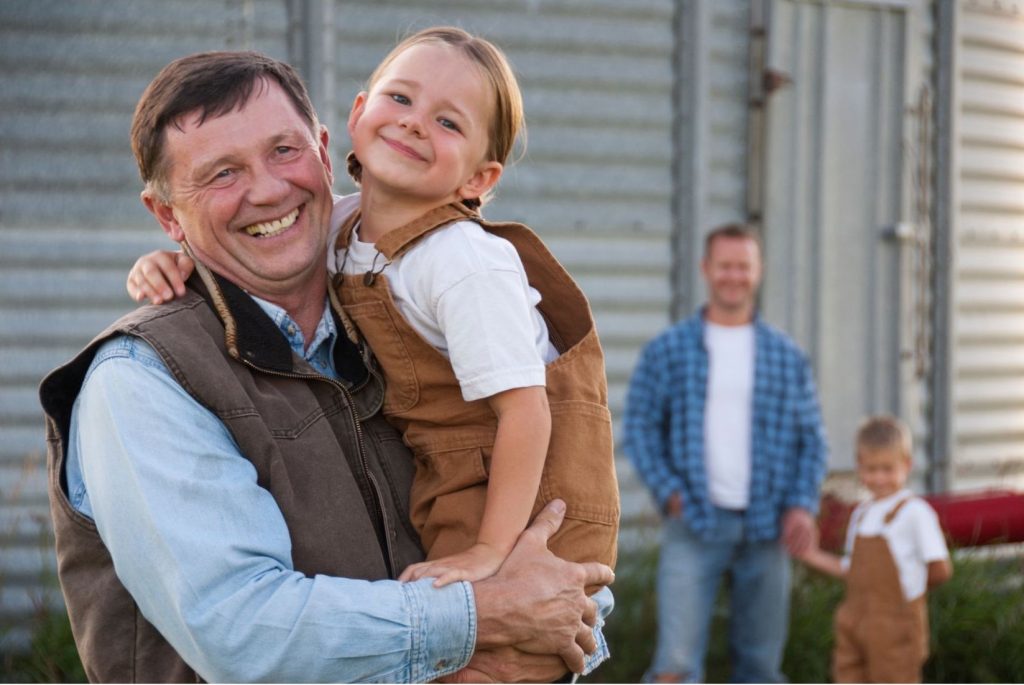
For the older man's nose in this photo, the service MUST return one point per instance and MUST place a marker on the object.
(267, 187)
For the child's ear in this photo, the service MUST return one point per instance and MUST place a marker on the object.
(164, 214)
(485, 178)
(357, 111)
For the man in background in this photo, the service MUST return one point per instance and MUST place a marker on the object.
(723, 425)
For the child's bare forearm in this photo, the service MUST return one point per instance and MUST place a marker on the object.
(520, 446)
(824, 562)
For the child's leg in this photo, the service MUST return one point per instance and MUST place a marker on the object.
(894, 648)
(848, 660)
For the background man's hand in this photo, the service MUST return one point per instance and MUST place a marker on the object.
(674, 505)
(797, 531)
(536, 601)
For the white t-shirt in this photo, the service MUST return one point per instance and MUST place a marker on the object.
(727, 413)
(914, 537)
(465, 292)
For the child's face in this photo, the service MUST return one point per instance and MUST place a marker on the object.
(422, 131)
(883, 470)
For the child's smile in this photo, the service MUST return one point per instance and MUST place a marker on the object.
(883, 471)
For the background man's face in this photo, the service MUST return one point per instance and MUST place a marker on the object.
(732, 271)
(251, 192)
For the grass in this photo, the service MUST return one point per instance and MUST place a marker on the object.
(51, 657)
(977, 623)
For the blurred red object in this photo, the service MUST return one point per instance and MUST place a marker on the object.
(969, 519)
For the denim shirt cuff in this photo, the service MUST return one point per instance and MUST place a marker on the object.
(443, 628)
(605, 603)
(599, 655)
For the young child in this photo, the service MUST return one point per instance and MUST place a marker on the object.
(895, 552)
(488, 347)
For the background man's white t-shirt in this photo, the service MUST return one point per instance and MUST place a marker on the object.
(727, 413)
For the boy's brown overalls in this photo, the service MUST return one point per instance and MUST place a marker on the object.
(880, 637)
(452, 439)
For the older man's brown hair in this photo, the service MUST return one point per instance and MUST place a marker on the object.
(211, 84)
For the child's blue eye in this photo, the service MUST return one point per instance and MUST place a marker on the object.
(448, 123)
(400, 99)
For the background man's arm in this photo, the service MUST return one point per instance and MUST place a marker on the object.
(646, 424)
(810, 464)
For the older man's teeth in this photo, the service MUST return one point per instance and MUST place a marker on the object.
(270, 228)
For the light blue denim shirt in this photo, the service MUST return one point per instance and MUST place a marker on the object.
(169, 490)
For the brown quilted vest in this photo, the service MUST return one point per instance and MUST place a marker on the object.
(339, 473)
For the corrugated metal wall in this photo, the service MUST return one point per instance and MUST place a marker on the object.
(837, 184)
(714, 99)
(596, 185)
(71, 222)
(988, 237)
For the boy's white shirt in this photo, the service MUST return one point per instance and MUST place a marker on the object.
(914, 537)
(465, 292)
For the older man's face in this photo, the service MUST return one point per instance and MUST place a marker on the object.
(251, 193)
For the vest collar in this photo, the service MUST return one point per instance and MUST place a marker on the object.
(252, 337)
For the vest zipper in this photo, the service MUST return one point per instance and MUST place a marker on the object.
(389, 558)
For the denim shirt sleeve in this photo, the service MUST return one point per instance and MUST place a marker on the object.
(206, 554)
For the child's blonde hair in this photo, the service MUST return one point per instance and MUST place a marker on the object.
(508, 119)
(884, 432)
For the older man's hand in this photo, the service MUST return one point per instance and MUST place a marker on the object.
(536, 601)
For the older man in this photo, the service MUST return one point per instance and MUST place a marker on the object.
(723, 425)
(228, 502)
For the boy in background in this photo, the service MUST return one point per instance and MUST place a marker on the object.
(895, 552)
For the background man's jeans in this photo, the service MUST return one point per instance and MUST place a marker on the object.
(689, 574)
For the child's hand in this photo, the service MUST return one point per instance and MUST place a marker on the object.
(160, 276)
(476, 563)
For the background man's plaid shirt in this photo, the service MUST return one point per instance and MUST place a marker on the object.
(664, 427)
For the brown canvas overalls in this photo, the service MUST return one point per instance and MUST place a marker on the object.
(452, 439)
(880, 636)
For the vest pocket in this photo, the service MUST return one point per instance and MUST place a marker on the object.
(376, 325)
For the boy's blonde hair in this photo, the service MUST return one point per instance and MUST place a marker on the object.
(884, 432)
(507, 120)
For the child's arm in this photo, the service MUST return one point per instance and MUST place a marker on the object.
(520, 446)
(160, 276)
(939, 572)
(822, 561)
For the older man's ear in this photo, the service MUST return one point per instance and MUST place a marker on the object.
(164, 214)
